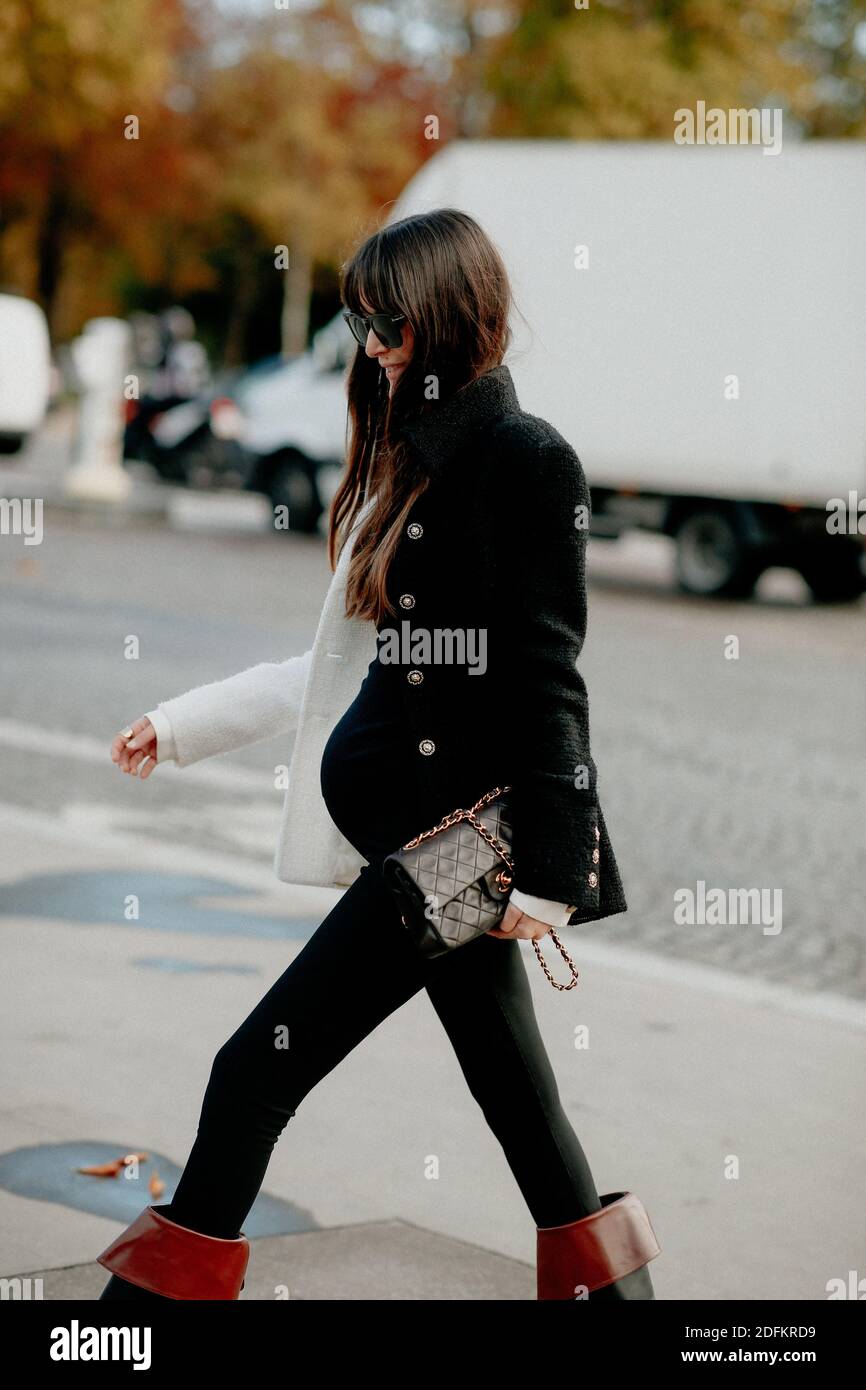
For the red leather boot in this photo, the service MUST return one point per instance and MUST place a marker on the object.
(157, 1256)
(604, 1253)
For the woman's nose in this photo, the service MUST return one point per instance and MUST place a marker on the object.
(374, 347)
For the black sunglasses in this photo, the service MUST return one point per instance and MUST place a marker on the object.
(383, 325)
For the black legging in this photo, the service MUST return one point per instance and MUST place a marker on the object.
(356, 969)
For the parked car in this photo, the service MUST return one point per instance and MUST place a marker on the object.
(277, 428)
(26, 373)
(293, 426)
(190, 441)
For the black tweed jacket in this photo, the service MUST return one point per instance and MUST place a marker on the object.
(493, 552)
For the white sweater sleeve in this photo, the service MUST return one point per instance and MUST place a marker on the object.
(255, 704)
(543, 909)
(165, 749)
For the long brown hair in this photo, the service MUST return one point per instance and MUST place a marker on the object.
(444, 273)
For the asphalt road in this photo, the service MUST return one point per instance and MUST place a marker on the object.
(738, 774)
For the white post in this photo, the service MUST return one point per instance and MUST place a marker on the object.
(100, 357)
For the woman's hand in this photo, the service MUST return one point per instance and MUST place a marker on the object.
(517, 923)
(130, 754)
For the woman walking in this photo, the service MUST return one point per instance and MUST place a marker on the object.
(458, 513)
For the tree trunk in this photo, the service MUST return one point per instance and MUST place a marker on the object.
(49, 243)
(243, 295)
(297, 288)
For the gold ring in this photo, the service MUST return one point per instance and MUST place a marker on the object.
(127, 734)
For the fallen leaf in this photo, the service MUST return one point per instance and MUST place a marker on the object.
(111, 1170)
(103, 1170)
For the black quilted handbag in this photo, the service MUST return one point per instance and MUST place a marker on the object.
(452, 883)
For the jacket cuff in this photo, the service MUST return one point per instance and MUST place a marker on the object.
(165, 749)
(556, 843)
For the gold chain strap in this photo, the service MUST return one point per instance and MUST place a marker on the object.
(566, 957)
(460, 814)
(503, 879)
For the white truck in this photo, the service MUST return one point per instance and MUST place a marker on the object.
(693, 320)
(695, 325)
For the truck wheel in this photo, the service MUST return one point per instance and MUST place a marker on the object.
(712, 557)
(292, 486)
(834, 572)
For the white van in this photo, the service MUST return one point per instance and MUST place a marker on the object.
(25, 370)
(693, 321)
(292, 426)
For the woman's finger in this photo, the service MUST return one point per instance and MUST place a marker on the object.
(528, 929)
(131, 739)
(142, 735)
(510, 918)
(137, 760)
(118, 745)
(508, 925)
(125, 759)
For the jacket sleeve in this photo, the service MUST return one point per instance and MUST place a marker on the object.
(540, 507)
(255, 704)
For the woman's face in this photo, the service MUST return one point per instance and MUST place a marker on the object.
(392, 361)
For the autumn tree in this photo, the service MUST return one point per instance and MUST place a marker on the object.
(619, 69)
(70, 76)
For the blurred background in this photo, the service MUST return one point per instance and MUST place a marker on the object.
(180, 181)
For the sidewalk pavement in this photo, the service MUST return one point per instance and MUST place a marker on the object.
(690, 1076)
(41, 472)
(376, 1260)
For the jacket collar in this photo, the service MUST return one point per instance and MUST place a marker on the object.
(441, 431)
